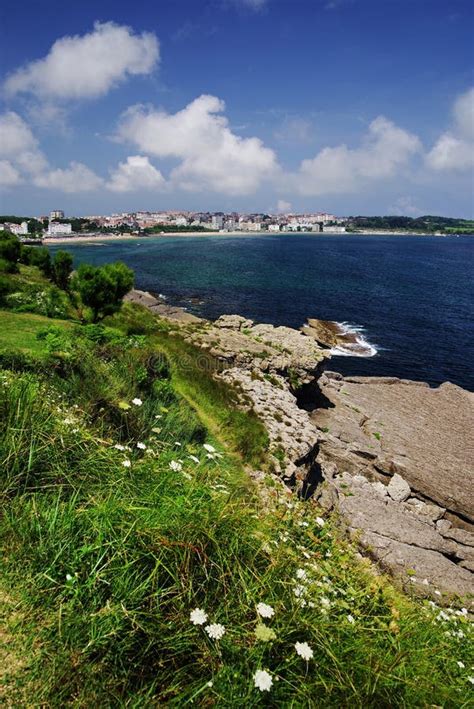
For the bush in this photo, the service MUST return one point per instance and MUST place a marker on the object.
(8, 266)
(102, 288)
(62, 269)
(9, 247)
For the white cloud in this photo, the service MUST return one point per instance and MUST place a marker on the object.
(385, 150)
(212, 156)
(454, 149)
(19, 146)
(283, 206)
(21, 160)
(405, 206)
(9, 175)
(75, 178)
(137, 173)
(255, 5)
(87, 66)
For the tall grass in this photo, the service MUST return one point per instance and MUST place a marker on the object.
(104, 562)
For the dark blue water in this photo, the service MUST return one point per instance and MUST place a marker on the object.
(413, 295)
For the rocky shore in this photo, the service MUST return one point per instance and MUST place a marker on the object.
(392, 457)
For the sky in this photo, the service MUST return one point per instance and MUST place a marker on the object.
(345, 106)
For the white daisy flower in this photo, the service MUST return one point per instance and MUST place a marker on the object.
(461, 664)
(198, 616)
(175, 466)
(142, 446)
(320, 522)
(265, 610)
(304, 651)
(351, 618)
(137, 401)
(263, 680)
(119, 447)
(126, 463)
(209, 448)
(215, 631)
(194, 458)
(301, 574)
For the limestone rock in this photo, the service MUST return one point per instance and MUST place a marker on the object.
(398, 489)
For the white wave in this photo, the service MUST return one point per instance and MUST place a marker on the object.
(360, 348)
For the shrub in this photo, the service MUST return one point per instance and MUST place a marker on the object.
(62, 269)
(102, 288)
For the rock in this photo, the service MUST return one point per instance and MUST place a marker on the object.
(233, 322)
(398, 489)
(380, 489)
(414, 431)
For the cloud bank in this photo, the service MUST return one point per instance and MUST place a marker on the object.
(211, 156)
(454, 149)
(88, 66)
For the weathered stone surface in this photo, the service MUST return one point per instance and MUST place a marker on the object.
(160, 307)
(398, 488)
(420, 433)
(402, 543)
(335, 336)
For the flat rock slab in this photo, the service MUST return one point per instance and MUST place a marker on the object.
(389, 426)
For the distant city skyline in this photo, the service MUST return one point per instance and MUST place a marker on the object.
(345, 106)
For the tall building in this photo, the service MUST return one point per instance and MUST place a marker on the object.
(56, 214)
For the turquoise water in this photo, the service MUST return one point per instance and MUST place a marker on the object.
(413, 296)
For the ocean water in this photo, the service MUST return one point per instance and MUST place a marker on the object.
(411, 297)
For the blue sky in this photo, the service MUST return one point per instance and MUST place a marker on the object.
(348, 106)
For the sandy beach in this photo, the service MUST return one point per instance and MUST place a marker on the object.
(88, 238)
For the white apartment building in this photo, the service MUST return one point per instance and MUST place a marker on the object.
(56, 229)
(273, 227)
(18, 229)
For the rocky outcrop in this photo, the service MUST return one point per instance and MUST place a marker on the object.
(391, 456)
(337, 337)
(160, 307)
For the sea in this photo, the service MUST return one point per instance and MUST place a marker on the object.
(409, 298)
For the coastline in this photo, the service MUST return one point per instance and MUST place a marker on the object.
(86, 238)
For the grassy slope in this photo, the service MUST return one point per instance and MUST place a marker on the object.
(103, 563)
(18, 331)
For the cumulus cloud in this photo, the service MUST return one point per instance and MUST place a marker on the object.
(137, 173)
(283, 206)
(454, 149)
(21, 160)
(211, 156)
(19, 147)
(9, 175)
(87, 66)
(75, 178)
(384, 151)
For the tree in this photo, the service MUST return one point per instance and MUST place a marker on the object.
(102, 288)
(9, 247)
(62, 269)
(39, 256)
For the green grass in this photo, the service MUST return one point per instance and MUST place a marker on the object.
(18, 331)
(102, 563)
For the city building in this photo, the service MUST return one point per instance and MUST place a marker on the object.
(57, 229)
(18, 229)
(56, 214)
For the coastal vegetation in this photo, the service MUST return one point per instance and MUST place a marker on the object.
(143, 566)
(425, 224)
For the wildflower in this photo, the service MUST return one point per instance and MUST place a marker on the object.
(461, 664)
(351, 618)
(158, 416)
(264, 633)
(263, 680)
(215, 631)
(320, 522)
(210, 683)
(137, 401)
(265, 611)
(209, 448)
(69, 577)
(304, 651)
(301, 574)
(198, 616)
(299, 590)
(175, 466)
(187, 476)
(209, 456)
(194, 458)
(142, 446)
(119, 447)
(325, 602)
(471, 680)
(126, 463)
(177, 443)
